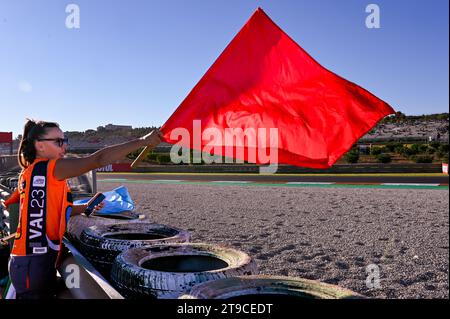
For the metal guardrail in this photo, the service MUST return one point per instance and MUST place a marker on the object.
(84, 281)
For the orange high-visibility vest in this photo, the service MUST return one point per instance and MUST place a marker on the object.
(44, 200)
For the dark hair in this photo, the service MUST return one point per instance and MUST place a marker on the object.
(32, 131)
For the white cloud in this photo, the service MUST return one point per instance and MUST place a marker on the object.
(25, 86)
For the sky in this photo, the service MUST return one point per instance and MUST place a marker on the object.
(132, 62)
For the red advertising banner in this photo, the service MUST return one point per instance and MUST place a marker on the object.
(6, 137)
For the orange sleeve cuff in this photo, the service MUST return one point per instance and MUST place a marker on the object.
(14, 198)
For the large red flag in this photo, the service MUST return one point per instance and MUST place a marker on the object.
(263, 79)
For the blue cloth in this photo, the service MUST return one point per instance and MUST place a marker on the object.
(116, 201)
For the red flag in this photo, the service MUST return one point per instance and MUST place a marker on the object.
(262, 80)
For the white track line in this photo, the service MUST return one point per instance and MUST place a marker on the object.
(409, 184)
(310, 183)
(112, 179)
(243, 182)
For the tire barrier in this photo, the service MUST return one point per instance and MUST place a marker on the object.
(268, 288)
(10, 182)
(78, 223)
(170, 270)
(10, 221)
(101, 244)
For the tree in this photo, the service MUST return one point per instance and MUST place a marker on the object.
(407, 152)
(163, 158)
(352, 156)
(431, 150)
(376, 150)
(415, 148)
(443, 148)
(445, 159)
(435, 145)
(400, 149)
(422, 159)
(391, 146)
(384, 158)
(423, 148)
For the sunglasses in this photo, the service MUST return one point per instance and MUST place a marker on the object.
(58, 141)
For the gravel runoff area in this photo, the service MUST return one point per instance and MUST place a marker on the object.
(326, 234)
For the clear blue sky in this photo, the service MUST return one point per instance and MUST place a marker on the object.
(133, 62)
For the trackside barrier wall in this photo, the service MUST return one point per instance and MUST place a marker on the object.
(286, 169)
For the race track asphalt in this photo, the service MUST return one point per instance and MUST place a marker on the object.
(377, 179)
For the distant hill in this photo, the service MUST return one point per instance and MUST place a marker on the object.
(95, 139)
(399, 116)
(419, 128)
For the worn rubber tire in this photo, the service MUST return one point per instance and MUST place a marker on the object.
(101, 250)
(268, 285)
(134, 281)
(78, 223)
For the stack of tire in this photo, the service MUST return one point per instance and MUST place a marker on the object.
(171, 270)
(101, 244)
(148, 260)
(268, 288)
(78, 223)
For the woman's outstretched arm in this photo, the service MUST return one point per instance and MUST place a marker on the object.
(71, 167)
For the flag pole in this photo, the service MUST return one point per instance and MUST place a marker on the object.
(141, 156)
